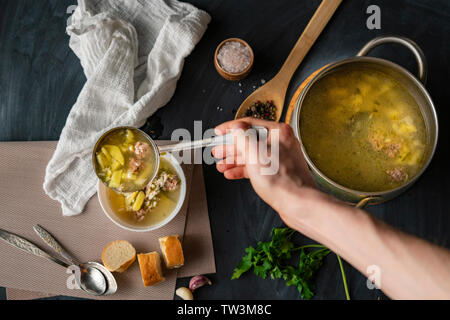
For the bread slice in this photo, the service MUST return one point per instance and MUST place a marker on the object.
(172, 251)
(118, 256)
(150, 265)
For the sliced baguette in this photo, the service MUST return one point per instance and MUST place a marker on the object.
(118, 256)
(172, 251)
(150, 265)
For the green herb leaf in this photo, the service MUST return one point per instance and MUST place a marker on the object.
(245, 264)
(271, 257)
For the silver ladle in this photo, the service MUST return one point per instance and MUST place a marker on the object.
(157, 150)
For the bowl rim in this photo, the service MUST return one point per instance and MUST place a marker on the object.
(105, 206)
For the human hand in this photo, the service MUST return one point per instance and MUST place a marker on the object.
(244, 159)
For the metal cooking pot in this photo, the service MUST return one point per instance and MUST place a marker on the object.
(412, 84)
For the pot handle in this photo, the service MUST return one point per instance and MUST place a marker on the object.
(366, 201)
(408, 43)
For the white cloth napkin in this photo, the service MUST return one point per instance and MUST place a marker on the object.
(132, 52)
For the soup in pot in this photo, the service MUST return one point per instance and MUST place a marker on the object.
(363, 129)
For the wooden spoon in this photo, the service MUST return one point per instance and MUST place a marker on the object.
(276, 88)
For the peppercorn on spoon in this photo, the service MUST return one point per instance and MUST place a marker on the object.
(276, 88)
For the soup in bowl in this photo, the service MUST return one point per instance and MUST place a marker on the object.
(152, 207)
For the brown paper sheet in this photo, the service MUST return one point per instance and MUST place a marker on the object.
(23, 204)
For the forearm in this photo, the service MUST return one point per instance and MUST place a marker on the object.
(410, 268)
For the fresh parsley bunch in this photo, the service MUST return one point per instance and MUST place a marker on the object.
(271, 258)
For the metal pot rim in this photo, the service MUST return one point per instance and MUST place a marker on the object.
(384, 62)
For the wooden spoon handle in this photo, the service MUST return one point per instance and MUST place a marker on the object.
(312, 31)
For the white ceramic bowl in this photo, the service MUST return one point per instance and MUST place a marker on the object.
(104, 203)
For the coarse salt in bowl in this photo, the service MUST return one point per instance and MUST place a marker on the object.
(233, 59)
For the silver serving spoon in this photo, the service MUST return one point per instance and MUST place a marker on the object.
(92, 281)
(93, 277)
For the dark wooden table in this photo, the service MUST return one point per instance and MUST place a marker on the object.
(40, 79)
